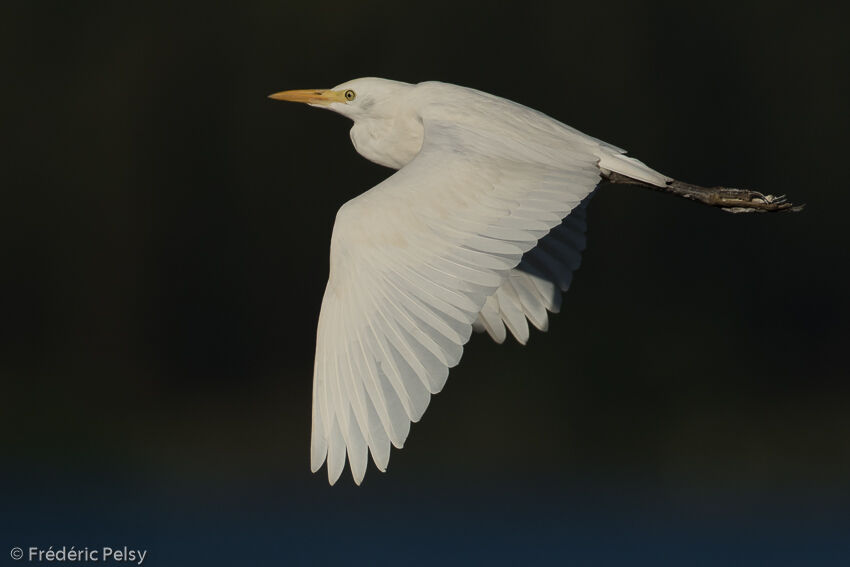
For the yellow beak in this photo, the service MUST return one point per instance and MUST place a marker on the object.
(322, 97)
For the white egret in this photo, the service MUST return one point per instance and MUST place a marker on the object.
(480, 228)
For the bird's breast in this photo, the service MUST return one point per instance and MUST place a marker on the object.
(388, 142)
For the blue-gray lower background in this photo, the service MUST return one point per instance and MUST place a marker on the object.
(453, 519)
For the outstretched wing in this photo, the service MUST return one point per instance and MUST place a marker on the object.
(535, 286)
(413, 261)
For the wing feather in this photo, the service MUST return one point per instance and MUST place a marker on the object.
(543, 274)
(511, 310)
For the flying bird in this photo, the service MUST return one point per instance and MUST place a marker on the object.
(480, 228)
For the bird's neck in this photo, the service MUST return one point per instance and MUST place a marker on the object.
(392, 141)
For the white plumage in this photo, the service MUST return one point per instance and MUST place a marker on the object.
(480, 228)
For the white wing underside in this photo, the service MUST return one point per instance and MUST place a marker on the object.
(444, 244)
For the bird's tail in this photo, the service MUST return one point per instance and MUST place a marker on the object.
(611, 162)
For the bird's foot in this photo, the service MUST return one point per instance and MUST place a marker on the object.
(729, 199)
(733, 200)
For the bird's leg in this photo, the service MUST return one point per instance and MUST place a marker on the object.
(727, 198)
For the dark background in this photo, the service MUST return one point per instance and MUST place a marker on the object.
(164, 234)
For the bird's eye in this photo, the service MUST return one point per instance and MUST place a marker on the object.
(350, 95)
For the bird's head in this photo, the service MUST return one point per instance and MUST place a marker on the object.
(358, 99)
(386, 128)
